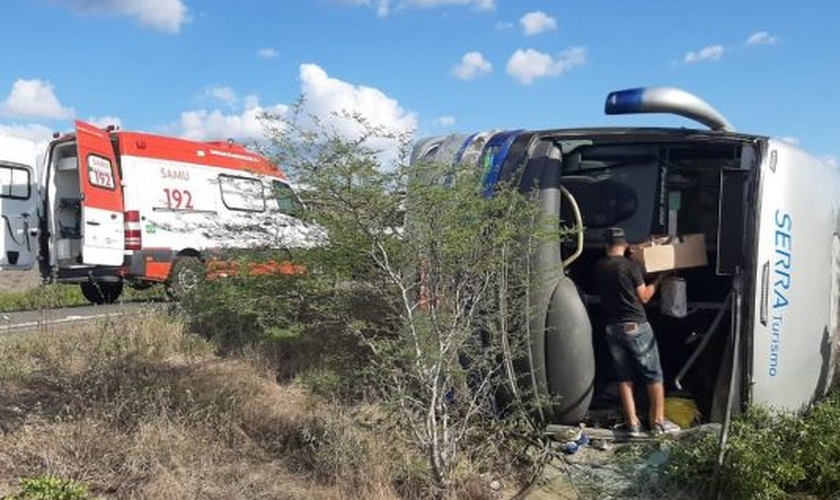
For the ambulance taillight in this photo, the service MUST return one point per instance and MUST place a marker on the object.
(132, 230)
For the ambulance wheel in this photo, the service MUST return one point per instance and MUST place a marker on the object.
(101, 292)
(186, 274)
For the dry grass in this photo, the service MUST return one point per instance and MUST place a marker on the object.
(140, 410)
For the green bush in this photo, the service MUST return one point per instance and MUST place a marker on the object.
(240, 312)
(769, 455)
(301, 324)
(692, 463)
(409, 303)
(764, 456)
(50, 488)
(820, 448)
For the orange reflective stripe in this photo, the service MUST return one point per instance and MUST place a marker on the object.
(158, 271)
(216, 154)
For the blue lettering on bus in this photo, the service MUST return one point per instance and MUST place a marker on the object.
(782, 266)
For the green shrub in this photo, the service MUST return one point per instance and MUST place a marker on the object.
(820, 448)
(50, 488)
(428, 281)
(769, 455)
(239, 312)
(692, 463)
(764, 456)
(300, 324)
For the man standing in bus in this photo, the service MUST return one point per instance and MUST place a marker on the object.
(629, 336)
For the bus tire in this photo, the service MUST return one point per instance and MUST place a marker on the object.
(186, 274)
(101, 292)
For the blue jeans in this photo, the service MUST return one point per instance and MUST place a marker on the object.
(634, 352)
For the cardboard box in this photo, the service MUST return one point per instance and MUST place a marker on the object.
(666, 253)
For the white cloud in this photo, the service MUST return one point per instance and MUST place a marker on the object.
(534, 23)
(325, 97)
(790, 140)
(832, 160)
(268, 53)
(202, 125)
(528, 65)
(384, 7)
(446, 121)
(710, 53)
(328, 98)
(224, 94)
(761, 38)
(104, 121)
(31, 132)
(163, 15)
(472, 65)
(34, 99)
(503, 26)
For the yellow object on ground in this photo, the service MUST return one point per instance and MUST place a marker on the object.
(682, 411)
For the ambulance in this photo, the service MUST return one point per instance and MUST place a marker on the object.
(112, 208)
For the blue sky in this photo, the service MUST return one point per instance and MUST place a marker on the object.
(205, 69)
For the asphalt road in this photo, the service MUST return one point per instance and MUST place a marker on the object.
(13, 322)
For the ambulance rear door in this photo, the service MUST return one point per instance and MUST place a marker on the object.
(103, 240)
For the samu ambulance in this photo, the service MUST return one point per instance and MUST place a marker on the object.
(115, 207)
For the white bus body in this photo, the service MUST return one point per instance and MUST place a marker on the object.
(796, 275)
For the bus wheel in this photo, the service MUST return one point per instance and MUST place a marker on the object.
(186, 274)
(101, 292)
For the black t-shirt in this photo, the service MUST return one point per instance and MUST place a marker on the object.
(616, 279)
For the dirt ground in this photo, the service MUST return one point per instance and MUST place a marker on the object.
(609, 469)
(19, 281)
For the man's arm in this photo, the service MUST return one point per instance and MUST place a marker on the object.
(646, 292)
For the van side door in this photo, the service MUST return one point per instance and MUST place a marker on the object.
(18, 198)
(102, 197)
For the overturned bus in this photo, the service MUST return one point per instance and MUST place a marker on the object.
(759, 323)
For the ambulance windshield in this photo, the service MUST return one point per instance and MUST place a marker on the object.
(286, 199)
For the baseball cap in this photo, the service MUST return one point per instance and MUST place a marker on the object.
(615, 236)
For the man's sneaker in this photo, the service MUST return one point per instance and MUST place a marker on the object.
(665, 427)
(629, 429)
